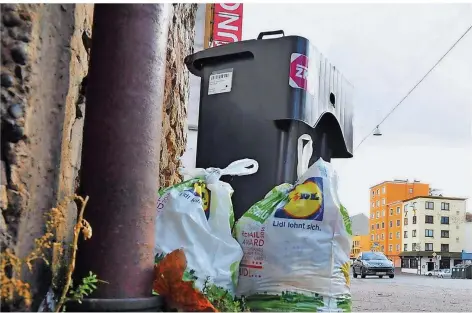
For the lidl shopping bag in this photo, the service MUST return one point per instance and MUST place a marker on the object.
(296, 244)
(196, 217)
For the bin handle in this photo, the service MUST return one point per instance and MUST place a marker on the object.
(269, 33)
(305, 152)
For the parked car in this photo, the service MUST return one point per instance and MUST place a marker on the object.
(444, 273)
(373, 264)
(430, 273)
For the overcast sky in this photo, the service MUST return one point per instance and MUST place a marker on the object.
(383, 50)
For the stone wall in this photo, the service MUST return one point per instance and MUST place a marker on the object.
(44, 64)
(180, 44)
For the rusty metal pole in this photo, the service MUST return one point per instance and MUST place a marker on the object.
(120, 156)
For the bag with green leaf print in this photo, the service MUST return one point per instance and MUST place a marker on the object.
(197, 217)
(296, 243)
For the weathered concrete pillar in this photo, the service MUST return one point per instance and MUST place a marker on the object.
(120, 156)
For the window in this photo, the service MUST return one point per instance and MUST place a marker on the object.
(373, 192)
(378, 191)
(372, 237)
(383, 225)
(382, 237)
(391, 211)
(383, 212)
(444, 206)
(390, 248)
(444, 234)
(398, 210)
(414, 263)
(390, 224)
(373, 226)
(405, 208)
(378, 225)
(428, 219)
(378, 214)
(429, 205)
(378, 203)
(405, 247)
(405, 221)
(398, 248)
(390, 236)
(428, 247)
(445, 264)
(444, 219)
(405, 234)
(383, 189)
(428, 233)
(373, 204)
(410, 190)
(383, 201)
(413, 247)
(398, 222)
(398, 235)
(444, 248)
(377, 237)
(413, 233)
(414, 219)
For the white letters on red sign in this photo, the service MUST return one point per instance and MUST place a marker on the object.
(302, 71)
(227, 23)
(230, 6)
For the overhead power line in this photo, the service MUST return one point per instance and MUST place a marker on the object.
(414, 87)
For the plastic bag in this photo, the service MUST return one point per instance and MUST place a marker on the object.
(196, 216)
(296, 244)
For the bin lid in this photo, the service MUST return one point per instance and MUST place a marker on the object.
(333, 120)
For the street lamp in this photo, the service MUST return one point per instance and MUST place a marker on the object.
(417, 249)
(377, 131)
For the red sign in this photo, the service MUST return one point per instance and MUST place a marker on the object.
(227, 23)
(298, 71)
(229, 8)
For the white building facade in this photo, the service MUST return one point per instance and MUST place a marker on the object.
(467, 247)
(434, 233)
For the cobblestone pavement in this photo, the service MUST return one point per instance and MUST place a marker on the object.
(411, 293)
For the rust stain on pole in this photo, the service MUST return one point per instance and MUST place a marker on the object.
(121, 146)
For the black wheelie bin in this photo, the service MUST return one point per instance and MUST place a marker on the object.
(257, 97)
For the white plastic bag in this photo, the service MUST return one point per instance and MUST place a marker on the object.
(296, 244)
(197, 216)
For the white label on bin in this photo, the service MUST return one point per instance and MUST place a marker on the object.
(220, 81)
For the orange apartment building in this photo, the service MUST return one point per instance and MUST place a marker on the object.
(386, 215)
(360, 243)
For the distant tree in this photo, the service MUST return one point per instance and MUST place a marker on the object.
(468, 216)
(418, 246)
(435, 192)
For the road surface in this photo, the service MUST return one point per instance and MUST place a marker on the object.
(411, 293)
